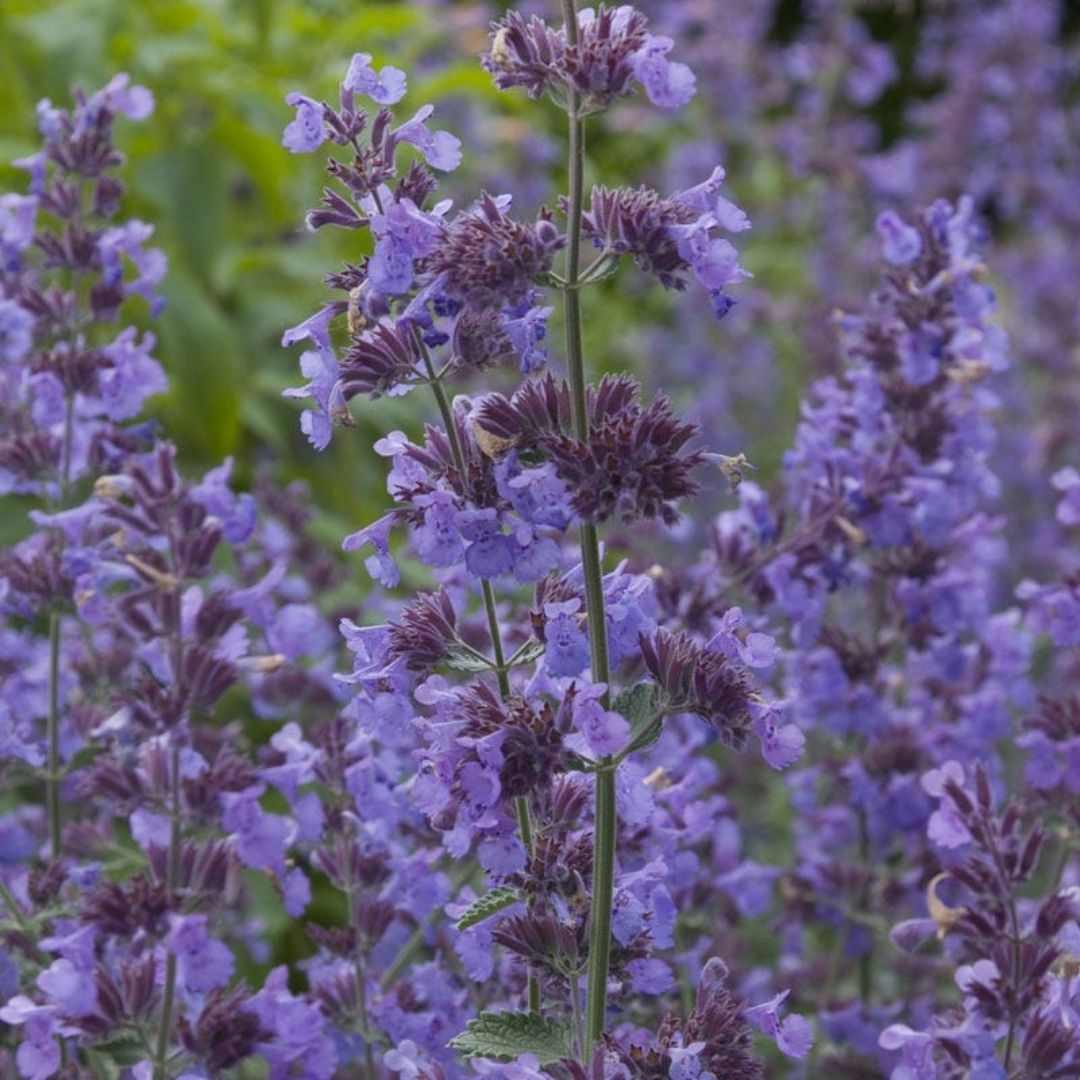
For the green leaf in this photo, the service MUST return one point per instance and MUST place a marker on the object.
(465, 660)
(122, 1048)
(530, 651)
(487, 905)
(639, 704)
(507, 1035)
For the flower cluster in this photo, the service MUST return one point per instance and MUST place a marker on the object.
(483, 813)
(596, 61)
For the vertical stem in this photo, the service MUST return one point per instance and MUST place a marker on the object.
(172, 871)
(502, 674)
(605, 820)
(172, 880)
(575, 1013)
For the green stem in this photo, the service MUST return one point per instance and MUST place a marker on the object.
(604, 829)
(605, 820)
(172, 871)
(575, 1013)
(501, 671)
(172, 882)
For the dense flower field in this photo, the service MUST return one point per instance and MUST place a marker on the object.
(691, 689)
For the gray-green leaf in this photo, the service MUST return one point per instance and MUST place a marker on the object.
(507, 1035)
(491, 903)
(463, 660)
(640, 705)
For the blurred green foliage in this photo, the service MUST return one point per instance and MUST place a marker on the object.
(208, 170)
(228, 201)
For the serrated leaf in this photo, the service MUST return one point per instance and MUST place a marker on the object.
(530, 651)
(639, 704)
(505, 1036)
(491, 903)
(463, 660)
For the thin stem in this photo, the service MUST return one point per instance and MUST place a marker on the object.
(172, 882)
(604, 830)
(501, 671)
(575, 1012)
(172, 871)
(605, 820)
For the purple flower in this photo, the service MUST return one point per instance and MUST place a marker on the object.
(650, 975)
(793, 1035)
(18, 214)
(714, 260)
(501, 856)
(133, 377)
(489, 552)
(526, 332)
(438, 540)
(134, 102)
(781, 744)
(297, 1043)
(306, 132)
(17, 739)
(127, 240)
(403, 1060)
(916, 1048)
(299, 630)
(946, 826)
(71, 989)
(16, 331)
(920, 354)
(440, 149)
(38, 1056)
(297, 890)
(668, 84)
(202, 962)
(261, 838)
(567, 651)
(380, 565)
(403, 234)
(387, 87)
(900, 243)
(237, 513)
(321, 368)
(605, 732)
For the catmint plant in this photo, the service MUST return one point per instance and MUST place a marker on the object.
(491, 501)
(486, 806)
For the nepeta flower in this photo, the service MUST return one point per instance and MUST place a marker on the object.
(613, 50)
(702, 681)
(440, 149)
(387, 87)
(204, 963)
(487, 259)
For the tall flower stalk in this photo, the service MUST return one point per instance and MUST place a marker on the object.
(494, 491)
(605, 822)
